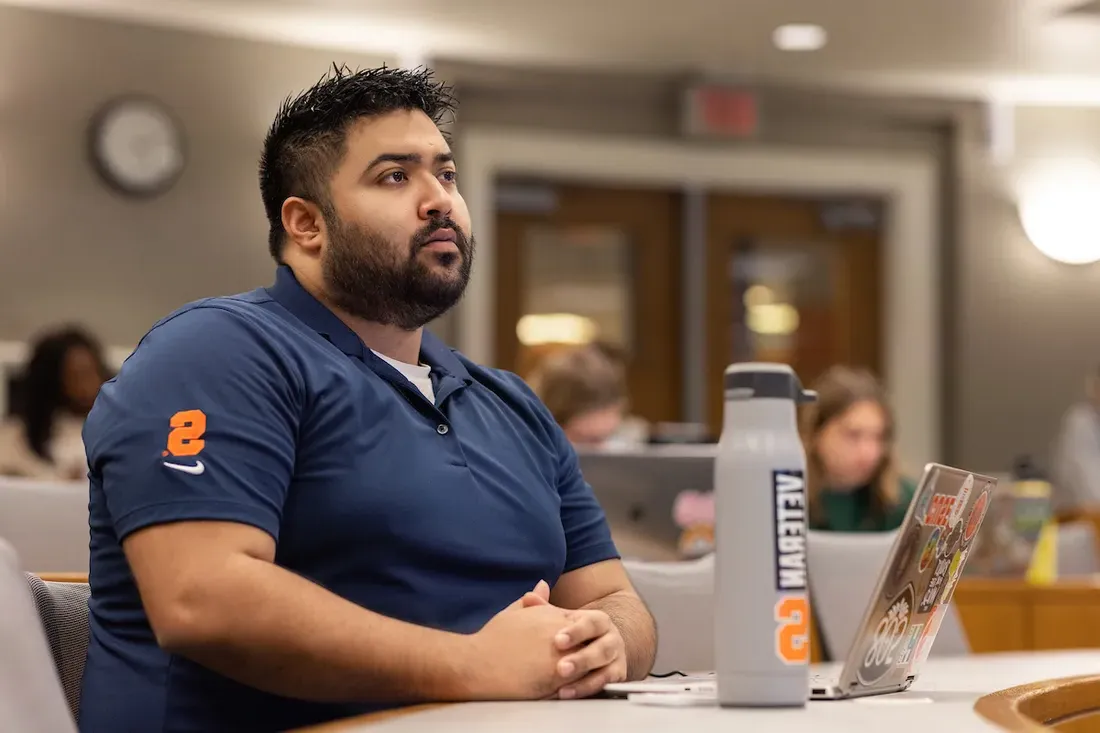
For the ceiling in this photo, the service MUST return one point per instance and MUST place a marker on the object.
(1022, 51)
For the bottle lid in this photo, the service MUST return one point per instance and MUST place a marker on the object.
(762, 380)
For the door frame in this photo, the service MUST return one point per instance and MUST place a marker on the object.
(911, 257)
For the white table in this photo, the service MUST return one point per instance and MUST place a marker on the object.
(941, 699)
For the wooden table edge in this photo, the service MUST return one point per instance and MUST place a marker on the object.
(63, 577)
(370, 719)
(1031, 708)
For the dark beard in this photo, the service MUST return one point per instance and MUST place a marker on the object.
(364, 277)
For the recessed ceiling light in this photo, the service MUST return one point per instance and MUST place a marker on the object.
(799, 37)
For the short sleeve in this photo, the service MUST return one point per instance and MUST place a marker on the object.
(587, 535)
(199, 424)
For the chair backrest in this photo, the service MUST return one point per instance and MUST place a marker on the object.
(844, 568)
(63, 609)
(47, 523)
(680, 595)
(1077, 553)
(31, 696)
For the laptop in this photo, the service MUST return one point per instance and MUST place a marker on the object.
(911, 596)
(1018, 511)
(637, 486)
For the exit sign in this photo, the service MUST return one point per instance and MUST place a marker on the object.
(720, 111)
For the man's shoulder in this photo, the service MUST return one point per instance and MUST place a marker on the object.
(232, 310)
(226, 321)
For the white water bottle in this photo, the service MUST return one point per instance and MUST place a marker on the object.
(762, 607)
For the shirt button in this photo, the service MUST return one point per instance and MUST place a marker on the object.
(442, 429)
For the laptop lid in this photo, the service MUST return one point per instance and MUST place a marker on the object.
(637, 487)
(914, 589)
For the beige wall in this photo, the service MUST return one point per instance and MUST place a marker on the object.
(1028, 328)
(1021, 329)
(72, 249)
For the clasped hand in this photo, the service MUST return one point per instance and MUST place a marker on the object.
(540, 651)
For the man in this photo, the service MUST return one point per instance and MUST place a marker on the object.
(304, 506)
(1076, 465)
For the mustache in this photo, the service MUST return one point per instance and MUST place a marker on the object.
(422, 237)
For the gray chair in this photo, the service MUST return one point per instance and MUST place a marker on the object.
(63, 609)
(1077, 554)
(680, 595)
(47, 523)
(31, 695)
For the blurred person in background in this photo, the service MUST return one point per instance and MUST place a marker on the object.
(584, 387)
(853, 480)
(1076, 464)
(585, 392)
(58, 389)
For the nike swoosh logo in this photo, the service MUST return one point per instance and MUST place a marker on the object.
(197, 470)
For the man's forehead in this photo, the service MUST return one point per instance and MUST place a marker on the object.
(400, 132)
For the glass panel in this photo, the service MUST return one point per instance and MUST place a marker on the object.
(576, 288)
(784, 304)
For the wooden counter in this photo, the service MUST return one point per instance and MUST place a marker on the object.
(1012, 615)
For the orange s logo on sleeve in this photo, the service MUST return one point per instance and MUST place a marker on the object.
(185, 439)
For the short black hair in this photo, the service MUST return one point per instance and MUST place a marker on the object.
(306, 141)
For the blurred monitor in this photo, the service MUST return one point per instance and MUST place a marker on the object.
(637, 487)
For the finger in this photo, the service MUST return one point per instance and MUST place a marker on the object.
(593, 682)
(599, 653)
(586, 626)
(542, 590)
(530, 599)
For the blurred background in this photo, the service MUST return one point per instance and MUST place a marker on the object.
(906, 188)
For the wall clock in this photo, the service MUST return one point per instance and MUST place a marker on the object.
(137, 146)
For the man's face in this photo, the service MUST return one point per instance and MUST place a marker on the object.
(399, 249)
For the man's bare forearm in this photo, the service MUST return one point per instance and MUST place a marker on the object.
(270, 629)
(635, 624)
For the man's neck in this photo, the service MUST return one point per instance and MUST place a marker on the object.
(402, 346)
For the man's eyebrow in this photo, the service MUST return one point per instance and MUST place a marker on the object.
(410, 158)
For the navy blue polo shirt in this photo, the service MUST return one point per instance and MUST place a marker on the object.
(264, 408)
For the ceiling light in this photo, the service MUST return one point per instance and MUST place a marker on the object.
(1059, 208)
(799, 37)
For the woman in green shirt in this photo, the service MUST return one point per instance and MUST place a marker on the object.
(853, 480)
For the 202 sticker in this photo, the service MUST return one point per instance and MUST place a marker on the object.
(881, 651)
(792, 631)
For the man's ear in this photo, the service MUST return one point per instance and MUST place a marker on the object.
(304, 224)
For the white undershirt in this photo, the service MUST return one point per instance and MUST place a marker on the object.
(418, 374)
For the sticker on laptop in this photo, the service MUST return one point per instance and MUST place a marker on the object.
(908, 555)
(881, 653)
(931, 549)
(977, 514)
(935, 584)
(953, 573)
(924, 645)
(908, 648)
(945, 510)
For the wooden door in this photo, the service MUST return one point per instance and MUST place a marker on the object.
(791, 280)
(605, 261)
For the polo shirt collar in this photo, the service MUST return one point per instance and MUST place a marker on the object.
(290, 294)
